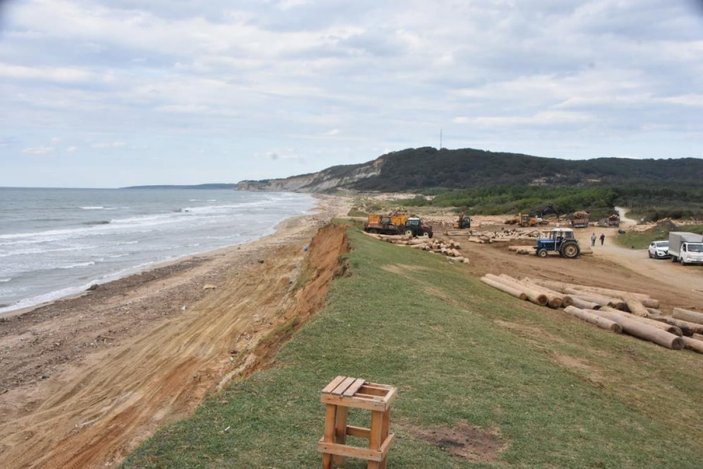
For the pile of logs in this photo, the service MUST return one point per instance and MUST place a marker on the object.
(635, 314)
(487, 237)
(451, 249)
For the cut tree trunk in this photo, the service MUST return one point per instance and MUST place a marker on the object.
(603, 323)
(659, 325)
(505, 288)
(693, 344)
(640, 330)
(688, 315)
(532, 295)
(635, 306)
(554, 300)
(583, 304)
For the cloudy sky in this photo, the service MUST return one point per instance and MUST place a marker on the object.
(122, 92)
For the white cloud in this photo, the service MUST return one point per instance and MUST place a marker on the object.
(38, 151)
(108, 145)
(340, 81)
(55, 74)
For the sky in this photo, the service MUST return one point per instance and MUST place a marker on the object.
(125, 92)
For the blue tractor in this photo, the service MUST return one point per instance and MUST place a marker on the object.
(559, 240)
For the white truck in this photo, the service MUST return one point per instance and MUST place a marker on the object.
(685, 247)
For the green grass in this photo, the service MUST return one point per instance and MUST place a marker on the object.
(560, 393)
(641, 239)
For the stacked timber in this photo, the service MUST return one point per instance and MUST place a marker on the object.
(526, 250)
(451, 249)
(620, 311)
(534, 293)
(487, 237)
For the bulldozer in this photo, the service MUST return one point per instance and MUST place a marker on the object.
(534, 217)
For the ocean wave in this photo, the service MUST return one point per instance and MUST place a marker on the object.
(93, 207)
(5, 280)
(24, 252)
(77, 265)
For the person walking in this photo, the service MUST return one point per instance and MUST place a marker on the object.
(602, 238)
(593, 239)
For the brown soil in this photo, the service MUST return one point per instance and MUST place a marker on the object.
(464, 440)
(85, 380)
(610, 266)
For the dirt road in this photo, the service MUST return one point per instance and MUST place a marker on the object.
(610, 266)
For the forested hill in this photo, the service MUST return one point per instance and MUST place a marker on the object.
(429, 168)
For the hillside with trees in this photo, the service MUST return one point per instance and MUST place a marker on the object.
(494, 182)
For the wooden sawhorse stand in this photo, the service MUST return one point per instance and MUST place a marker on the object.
(338, 396)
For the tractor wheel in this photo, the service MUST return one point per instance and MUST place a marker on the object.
(542, 253)
(426, 235)
(570, 251)
(409, 233)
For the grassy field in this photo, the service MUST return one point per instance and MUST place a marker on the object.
(641, 239)
(533, 387)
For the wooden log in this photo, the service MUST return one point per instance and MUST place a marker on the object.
(693, 344)
(685, 330)
(640, 330)
(503, 287)
(592, 298)
(659, 325)
(655, 312)
(583, 304)
(599, 321)
(607, 292)
(566, 299)
(635, 306)
(553, 301)
(697, 336)
(688, 328)
(688, 315)
(532, 295)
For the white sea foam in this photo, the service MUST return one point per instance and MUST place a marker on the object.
(77, 265)
(56, 248)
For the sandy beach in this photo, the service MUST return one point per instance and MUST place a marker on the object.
(84, 380)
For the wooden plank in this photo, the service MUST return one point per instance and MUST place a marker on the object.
(339, 390)
(354, 402)
(333, 384)
(359, 432)
(373, 389)
(330, 414)
(376, 429)
(351, 390)
(349, 451)
(340, 432)
(384, 436)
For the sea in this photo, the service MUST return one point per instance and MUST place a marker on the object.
(59, 242)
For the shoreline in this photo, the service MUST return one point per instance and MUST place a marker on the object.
(80, 291)
(55, 351)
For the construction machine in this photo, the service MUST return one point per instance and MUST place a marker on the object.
(395, 223)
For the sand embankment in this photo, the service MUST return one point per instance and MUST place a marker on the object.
(84, 380)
